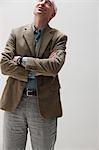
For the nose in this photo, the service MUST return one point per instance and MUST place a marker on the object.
(43, 1)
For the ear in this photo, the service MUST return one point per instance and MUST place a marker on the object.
(52, 15)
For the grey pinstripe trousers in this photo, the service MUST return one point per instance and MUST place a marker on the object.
(27, 117)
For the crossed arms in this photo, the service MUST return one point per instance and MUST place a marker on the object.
(46, 66)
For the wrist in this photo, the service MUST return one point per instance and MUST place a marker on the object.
(19, 60)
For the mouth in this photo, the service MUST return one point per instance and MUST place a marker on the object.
(41, 9)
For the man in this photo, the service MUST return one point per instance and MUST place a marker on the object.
(33, 56)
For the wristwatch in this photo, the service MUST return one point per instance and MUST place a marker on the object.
(19, 60)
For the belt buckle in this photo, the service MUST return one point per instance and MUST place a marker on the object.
(27, 93)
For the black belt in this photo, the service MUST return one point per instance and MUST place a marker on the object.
(28, 92)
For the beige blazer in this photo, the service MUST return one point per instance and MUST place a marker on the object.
(46, 62)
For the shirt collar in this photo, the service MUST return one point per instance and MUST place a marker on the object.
(40, 29)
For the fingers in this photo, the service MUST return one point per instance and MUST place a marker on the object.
(15, 58)
(53, 55)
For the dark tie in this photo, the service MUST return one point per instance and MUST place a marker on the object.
(37, 34)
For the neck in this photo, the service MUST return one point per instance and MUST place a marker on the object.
(39, 22)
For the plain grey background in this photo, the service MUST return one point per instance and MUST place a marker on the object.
(78, 129)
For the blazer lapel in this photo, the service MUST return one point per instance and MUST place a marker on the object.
(45, 39)
(29, 38)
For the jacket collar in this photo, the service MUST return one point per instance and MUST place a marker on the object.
(45, 39)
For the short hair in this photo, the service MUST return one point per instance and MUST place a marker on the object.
(54, 5)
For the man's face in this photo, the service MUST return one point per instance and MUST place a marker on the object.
(44, 8)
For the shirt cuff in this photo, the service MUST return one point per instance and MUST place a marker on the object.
(24, 60)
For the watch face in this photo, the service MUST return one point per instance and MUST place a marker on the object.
(19, 61)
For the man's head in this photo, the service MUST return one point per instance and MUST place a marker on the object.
(45, 8)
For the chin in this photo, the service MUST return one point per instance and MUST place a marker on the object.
(38, 12)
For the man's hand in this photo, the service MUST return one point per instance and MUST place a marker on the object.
(18, 60)
(53, 55)
(15, 58)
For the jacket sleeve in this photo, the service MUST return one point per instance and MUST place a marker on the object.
(49, 66)
(8, 66)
